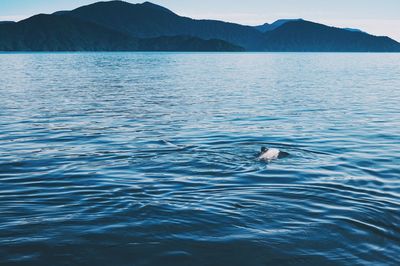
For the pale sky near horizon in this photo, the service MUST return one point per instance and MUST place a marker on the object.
(375, 17)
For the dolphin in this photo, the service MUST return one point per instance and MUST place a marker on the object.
(269, 154)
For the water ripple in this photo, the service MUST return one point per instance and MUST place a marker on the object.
(152, 159)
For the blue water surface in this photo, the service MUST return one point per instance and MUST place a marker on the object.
(151, 159)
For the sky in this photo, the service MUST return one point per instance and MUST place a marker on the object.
(378, 17)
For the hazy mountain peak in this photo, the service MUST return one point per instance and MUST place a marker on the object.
(263, 28)
(155, 6)
(280, 22)
(354, 30)
(115, 4)
(111, 6)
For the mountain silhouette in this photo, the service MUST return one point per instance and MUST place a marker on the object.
(6, 22)
(269, 27)
(263, 28)
(186, 44)
(56, 33)
(121, 26)
(63, 33)
(353, 30)
(306, 36)
(148, 20)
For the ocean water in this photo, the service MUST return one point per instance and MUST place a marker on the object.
(151, 159)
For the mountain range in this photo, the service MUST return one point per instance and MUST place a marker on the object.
(270, 27)
(122, 26)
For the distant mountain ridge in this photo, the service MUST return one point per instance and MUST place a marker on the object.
(121, 26)
(149, 20)
(270, 27)
(56, 33)
(306, 36)
(354, 30)
(6, 22)
(62, 33)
